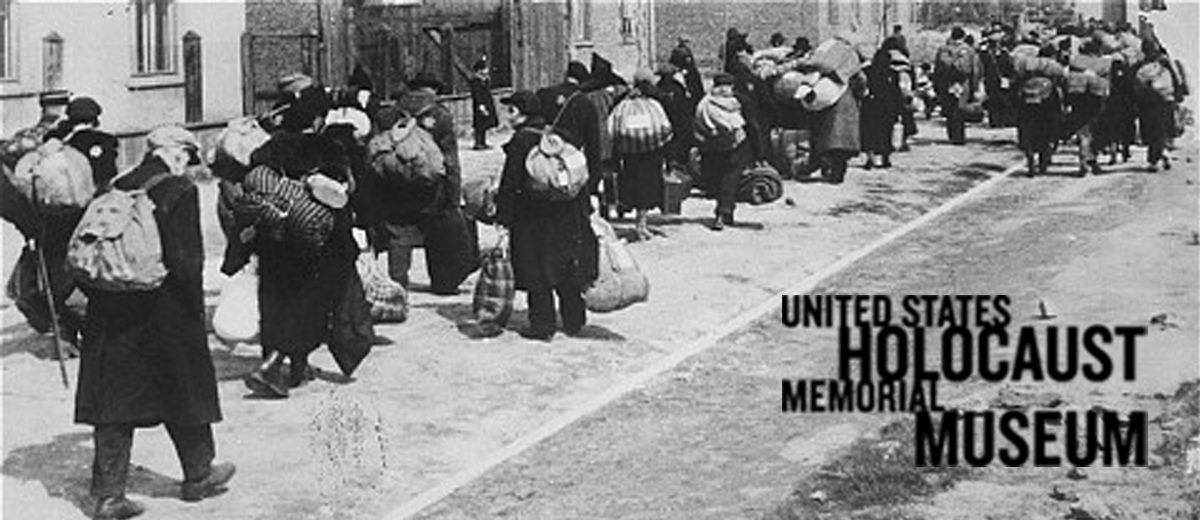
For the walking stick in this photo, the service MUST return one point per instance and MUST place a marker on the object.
(44, 275)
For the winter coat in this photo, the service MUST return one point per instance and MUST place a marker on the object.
(483, 105)
(442, 128)
(296, 298)
(144, 358)
(837, 128)
(680, 107)
(882, 106)
(552, 242)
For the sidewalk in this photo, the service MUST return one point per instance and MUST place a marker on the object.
(434, 402)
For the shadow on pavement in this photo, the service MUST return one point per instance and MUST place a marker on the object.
(231, 367)
(63, 467)
(463, 317)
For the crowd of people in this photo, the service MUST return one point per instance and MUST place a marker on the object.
(297, 182)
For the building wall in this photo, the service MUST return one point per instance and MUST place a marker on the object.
(704, 22)
(629, 49)
(98, 61)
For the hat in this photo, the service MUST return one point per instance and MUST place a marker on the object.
(387, 117)
(578, 71)
(166, 136)
(294, 83)
(83, 109)
(666, 69)
(426, 79)
(723, 78)
(310, 103)
(56, 98)
(525, 101)
(359, 79)
(643, 74)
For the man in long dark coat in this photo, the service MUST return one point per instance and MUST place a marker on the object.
(554, 250)
(450, 253)
(145, 358)
(483, 106)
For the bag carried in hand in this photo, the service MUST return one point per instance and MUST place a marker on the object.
(496, 288)
(557, 169)
(236, 318)
(620, 283)
(117, 246)
(639, 125)
(60, 176)
(388, 299)
(407, 155)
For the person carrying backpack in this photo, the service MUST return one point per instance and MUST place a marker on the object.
(145, 357)
(1156, 92)
(955, 75)
(554, 250)
(725, 150)
(1039, 109)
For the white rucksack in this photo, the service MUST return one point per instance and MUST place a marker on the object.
(116, 246)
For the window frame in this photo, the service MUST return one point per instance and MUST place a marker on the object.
(8, 69)
(167, 36)
(581, 22)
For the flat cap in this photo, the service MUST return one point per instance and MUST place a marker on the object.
(525, 101)
(83, 109)
(172, 135)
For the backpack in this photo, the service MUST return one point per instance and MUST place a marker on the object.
(639, 125)
(955, 62)
(1036, 90)
(59, 175)
(116, 246)
(407, 156)
(1155, 82)
(557, 169)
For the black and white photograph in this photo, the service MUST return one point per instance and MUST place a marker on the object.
(600, 259)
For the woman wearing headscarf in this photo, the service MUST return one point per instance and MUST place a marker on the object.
(641, 181)
(301, 279)
(882, 105)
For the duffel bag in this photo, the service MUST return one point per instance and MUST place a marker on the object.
(388, 299)
(496, 287)
(760, 184)
(639, 125)
(620, 282)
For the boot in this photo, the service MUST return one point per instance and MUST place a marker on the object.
(267, 379)
(117, 507)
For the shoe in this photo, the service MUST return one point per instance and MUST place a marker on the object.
(905, 148)
(868, 165)
(718, 224)
(887, 163)
(1095, 168)
(210, 486)
(1166, 163)
(444, 291)
(537, 335)
(117, 507)
(1152, 168)
(298, 376)
(481, 147)
(266, 380)
(381, 341)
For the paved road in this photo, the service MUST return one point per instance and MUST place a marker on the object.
(707, 439)
(435, 403)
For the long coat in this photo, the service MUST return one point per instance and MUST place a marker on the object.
(145, 358)
(552, 242)
(483, 105)
(836, 129)
(881, 108)
(297, 298)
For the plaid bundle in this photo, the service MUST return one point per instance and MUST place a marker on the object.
(282, 209)
(760, 185)
(496, 287)
(639, 125)
(388, 299)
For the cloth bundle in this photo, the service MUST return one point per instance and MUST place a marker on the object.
(388, 299)
(620, 283)
(719, 122)
(236, 317)
(761, 184)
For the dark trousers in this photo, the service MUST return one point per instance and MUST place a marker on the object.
(956, 126)
(480, 137)
(570, 309)
(110, 466)
(1084, 121)
(721, 171)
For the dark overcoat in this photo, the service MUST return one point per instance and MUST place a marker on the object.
(145, 358)
(297, 297)
(483, 105)
(552, 242)
(881, 107)
(836, 128)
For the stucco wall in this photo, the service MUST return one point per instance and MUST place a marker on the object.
(98, 62)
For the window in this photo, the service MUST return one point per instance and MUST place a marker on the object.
(6, 40)
(154, 30)
(626, 21)
(581, 20)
